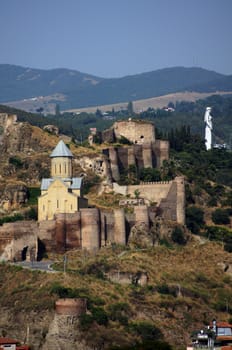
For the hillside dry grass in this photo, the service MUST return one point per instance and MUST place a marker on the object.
(154, 102)
(187, 287)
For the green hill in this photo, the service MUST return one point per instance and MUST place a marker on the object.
(80, 90)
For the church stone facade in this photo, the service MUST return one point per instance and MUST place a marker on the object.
(61, 193)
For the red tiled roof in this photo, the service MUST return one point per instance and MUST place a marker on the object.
(223, 325)
(8, 341)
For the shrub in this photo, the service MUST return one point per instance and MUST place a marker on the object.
(194, 219)
(212, 202)
(64, 292)
(146, 345)
(16, 161)
(31, 214)
(13, 218)
(118, 312)
(178, 236)
(221, 216)
(100, 316)
(228, 245)
(165, 289)
(34, 193)
(150, 174)
(146, 330)
(220, 234)
(85, 321)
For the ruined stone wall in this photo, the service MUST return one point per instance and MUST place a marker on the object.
(152, 191)
(141, 215)
(161, 150)
(18, 238)
(47, 234)
(173, 206)
(135, 131)
(113, 157)
(169, 196)
(87, 229)
(107, 227)
(119, 226)
(63, 332)
(147, 155)
(90, 228)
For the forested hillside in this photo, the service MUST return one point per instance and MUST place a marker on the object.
(185, 114)
(73, 89)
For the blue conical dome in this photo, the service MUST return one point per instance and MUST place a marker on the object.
(61, 150)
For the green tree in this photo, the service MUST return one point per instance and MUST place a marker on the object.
(57, 110)
(194, 219)
(221, 216)
(150, 174)
(130, 108)
(178, 236)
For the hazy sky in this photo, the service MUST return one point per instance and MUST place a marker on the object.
(112, 38)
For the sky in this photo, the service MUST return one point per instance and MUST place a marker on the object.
(114, 38)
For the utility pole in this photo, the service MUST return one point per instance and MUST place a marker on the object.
(65, 262)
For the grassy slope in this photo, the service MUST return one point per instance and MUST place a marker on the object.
(193, 270)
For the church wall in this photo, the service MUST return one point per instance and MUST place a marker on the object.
(57, 200)
(61, 167)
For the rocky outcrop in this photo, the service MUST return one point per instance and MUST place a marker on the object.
(13, 195)
(18, 240)
(52, 129)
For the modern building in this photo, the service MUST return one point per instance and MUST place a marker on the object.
(12, 344)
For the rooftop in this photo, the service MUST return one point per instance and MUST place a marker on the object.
(61, 150)
(75, 183)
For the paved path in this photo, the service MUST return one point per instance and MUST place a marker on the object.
(37, 265)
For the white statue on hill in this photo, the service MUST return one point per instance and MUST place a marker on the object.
(208, 128)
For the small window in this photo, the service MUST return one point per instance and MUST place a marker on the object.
(60, 168)
(57, 203)
(142, 137)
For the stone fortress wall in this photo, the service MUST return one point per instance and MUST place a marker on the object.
(92, 228)
(135, 131)
(145, 152)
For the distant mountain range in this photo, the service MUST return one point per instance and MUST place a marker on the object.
(73, 89)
